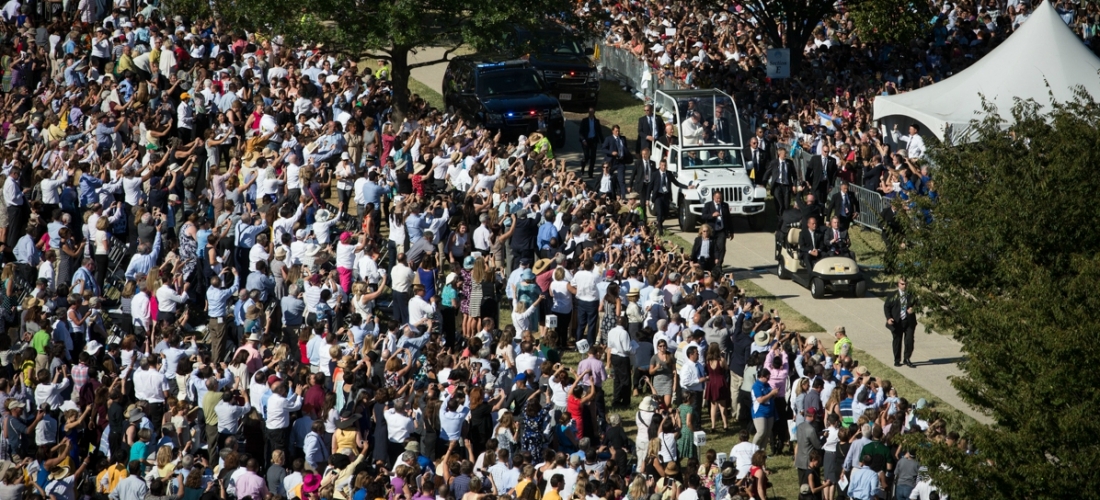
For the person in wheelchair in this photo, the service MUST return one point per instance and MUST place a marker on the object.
(811, 244)
(836, 240)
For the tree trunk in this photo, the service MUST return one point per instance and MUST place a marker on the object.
(401, 73)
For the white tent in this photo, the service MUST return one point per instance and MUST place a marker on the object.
(1043, 51)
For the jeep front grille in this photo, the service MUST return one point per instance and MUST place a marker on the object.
(731, 194)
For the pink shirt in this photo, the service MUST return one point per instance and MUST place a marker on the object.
(255, 360)
(778, 378)
(250, 484)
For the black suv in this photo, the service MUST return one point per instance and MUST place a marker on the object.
(508, 96)
(566, 66)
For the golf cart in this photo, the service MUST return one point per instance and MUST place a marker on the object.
(830, 274)
(713, 163)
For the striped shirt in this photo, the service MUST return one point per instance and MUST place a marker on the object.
(846, 411)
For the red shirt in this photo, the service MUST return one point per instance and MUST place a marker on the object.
(576, 409)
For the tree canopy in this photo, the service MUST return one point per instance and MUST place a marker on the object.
(890, 21)
(1007, 256)
(791, 23)
(389, 30)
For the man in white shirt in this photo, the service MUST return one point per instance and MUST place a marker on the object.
(399, 425)
(528, 361)
(914, 143)
(483, 236)
(229, 414)
(692, 130)
(360, 194)
(691, 374)
(50, 394)
(505, 476)
(168, 300)
(570, 475)
(280, 405)
(293, 180)
(151, 386)
(402, 279)
(742, 454)
(618, 343)
(422, 311)
(140, 312)
(585, 282)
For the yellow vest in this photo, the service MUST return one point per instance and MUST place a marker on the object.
(544, 146)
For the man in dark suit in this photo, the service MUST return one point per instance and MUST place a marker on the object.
(810, 244)
(781, 177)
(616, 153)
(810, 209)
(822, 173)
(901, 318)
(643, 174)
(660, 193)
(872, 176)
(836, 239)
(722, 123)
(591, 136)
(650, 128)
(844, 206)
(525, 236)
(758, 156)
(717, 214)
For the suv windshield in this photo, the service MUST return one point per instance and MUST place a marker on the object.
(711, 158)
(561, 48)
(524, 81)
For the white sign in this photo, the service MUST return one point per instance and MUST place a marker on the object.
(779, 63)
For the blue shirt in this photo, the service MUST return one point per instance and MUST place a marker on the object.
(218, 298)
(142, 263)
(374, 193)
(88, 186)
(864, 484)
(546, 231)
(415, 224)
(246, 234)
(762, 410)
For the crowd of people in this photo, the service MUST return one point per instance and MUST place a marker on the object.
(228, 272)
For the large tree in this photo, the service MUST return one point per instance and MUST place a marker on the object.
(389, 30)
(890, 20)
(791, 23)
(1007, 256)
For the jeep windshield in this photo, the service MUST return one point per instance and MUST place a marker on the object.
(520, 81)
(705, 158)
(560, 48)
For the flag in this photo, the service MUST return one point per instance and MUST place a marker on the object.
(826, 120)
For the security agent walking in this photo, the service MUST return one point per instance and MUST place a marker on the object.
(591, 135)
(901, 319)
(844, 206)
(781, 177)
(717, 214)
(660, 193)
(616, 153)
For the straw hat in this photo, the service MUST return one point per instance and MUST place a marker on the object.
(542, 265)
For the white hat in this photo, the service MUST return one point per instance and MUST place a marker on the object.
(698, 44)
(69, 405)
(323, 215)
(92, 347)
(255, 337)
(451, 277)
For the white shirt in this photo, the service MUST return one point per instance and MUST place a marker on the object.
(167, 298)
(689, 377)
(570, 476)
(398, 426)
(563, 300)
(150, 385)
(402, 278)
(483, 238)
(50, 394)
(279, 408)
(742, 453)
(618, 340)
(255, 254)
(527, 361)
(139, 311)
(293, 181)
(420, 310)
(229, 416)
(914, 144)
(585, 282)
(691, 132)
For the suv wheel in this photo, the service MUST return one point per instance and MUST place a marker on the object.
(688, 220)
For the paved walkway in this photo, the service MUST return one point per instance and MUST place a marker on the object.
(934, 355)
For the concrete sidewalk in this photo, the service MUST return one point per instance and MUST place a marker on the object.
(935, 355)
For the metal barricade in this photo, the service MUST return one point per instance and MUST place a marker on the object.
(629, 70)
(871, 204)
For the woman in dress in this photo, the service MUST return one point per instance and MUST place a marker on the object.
(686, 444)
(536, 418)
(662, 373)
(482, 294)
(428, 275)
(611, 307)
(505, 432)
(467, 289)
(717, 389)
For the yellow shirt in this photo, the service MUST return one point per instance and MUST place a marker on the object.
(345, 439)
(840, 345)
(106, 481)
(552, 495)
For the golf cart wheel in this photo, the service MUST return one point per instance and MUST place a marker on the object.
(817, 288)
(782, 271)
(860, 289)
(756, 222)
(688, 220)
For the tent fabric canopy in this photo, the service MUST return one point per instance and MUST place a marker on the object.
(1042, 58)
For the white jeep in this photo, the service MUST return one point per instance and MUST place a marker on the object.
(714, 161)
